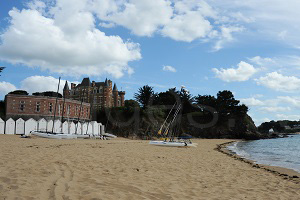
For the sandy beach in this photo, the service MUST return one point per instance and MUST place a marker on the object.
(38, 168)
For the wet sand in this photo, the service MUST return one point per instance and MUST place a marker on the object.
(39, 168)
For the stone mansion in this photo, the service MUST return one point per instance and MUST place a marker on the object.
(98, 94)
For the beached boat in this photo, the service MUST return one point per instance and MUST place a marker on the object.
(172, 143)
(168, 136)
(109, 135)
(53, 136)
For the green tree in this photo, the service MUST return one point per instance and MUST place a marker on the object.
(19, 92)
(144, 95)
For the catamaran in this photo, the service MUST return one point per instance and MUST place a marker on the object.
(168, 136)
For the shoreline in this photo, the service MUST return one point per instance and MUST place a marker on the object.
(285, 173)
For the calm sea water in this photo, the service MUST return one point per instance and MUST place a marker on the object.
(281, 152)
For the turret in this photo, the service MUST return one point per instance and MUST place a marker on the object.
(115, 95)
(122, 98)
(66, 90)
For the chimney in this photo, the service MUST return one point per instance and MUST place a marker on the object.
(73, 85)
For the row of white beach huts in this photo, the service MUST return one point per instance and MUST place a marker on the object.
(25, 127)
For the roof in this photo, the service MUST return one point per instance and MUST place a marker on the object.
(85, 82)
(66, 86)
(115, 88)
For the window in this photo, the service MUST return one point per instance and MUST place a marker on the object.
(22, 105)
(50, 107)
(69, 109)
(38, 107)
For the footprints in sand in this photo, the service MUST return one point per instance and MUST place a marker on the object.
(57, 185)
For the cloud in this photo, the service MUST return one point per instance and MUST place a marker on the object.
(273, 22)
(243, 73)
(142, 17)
(186, 21)
(169, 68)
(43, 83)
(279, 82)
(262, 61)
(252, 101)
(275, 109)
(293, 101)
(5, 88)
(287, 117)
(187, 27)
(64, 39)
(226, 36)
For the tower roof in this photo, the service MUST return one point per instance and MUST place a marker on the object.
(106, 82)
(115, 87)
(66, 87)
(86, 82)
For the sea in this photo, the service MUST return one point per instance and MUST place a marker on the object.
(281, 152)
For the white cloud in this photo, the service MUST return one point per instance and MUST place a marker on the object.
(275, 109)
(226, 36)
(252, 101)
(187, 27)
(5, 88)
(293, 101)
(169, 68)
(280, 82)
(262, 61)
(63, 39)
(272, 21)
(243, 73)
(142, 17)
(43, 83)
(287, 117)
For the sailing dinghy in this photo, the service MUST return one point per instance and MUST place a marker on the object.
(168, 138)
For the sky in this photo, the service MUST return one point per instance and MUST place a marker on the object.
(248, 47)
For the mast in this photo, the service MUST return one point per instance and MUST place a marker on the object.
(55, 104)
(78, 116)
(166, 133)
(159, 132)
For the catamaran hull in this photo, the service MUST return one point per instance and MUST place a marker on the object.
(54, 136)
(172, 144)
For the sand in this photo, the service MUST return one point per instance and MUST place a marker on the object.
(39, 168)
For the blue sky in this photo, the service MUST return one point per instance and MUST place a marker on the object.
(250, 48)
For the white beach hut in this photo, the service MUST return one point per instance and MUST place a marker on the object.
(10, 126)
(30, 125)
(57, 126)
(84, 128)
(65, 127)
(42, 125)
(49, 125)
(90, 129)
(78, 128)
(72, 128)
(95, 130)
(20, 126)
(2, 125)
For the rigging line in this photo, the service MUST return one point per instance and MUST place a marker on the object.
(172, 131)
(55, 104)
(167, 118)
(62, 113)
(175, 115)
(91, 106)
